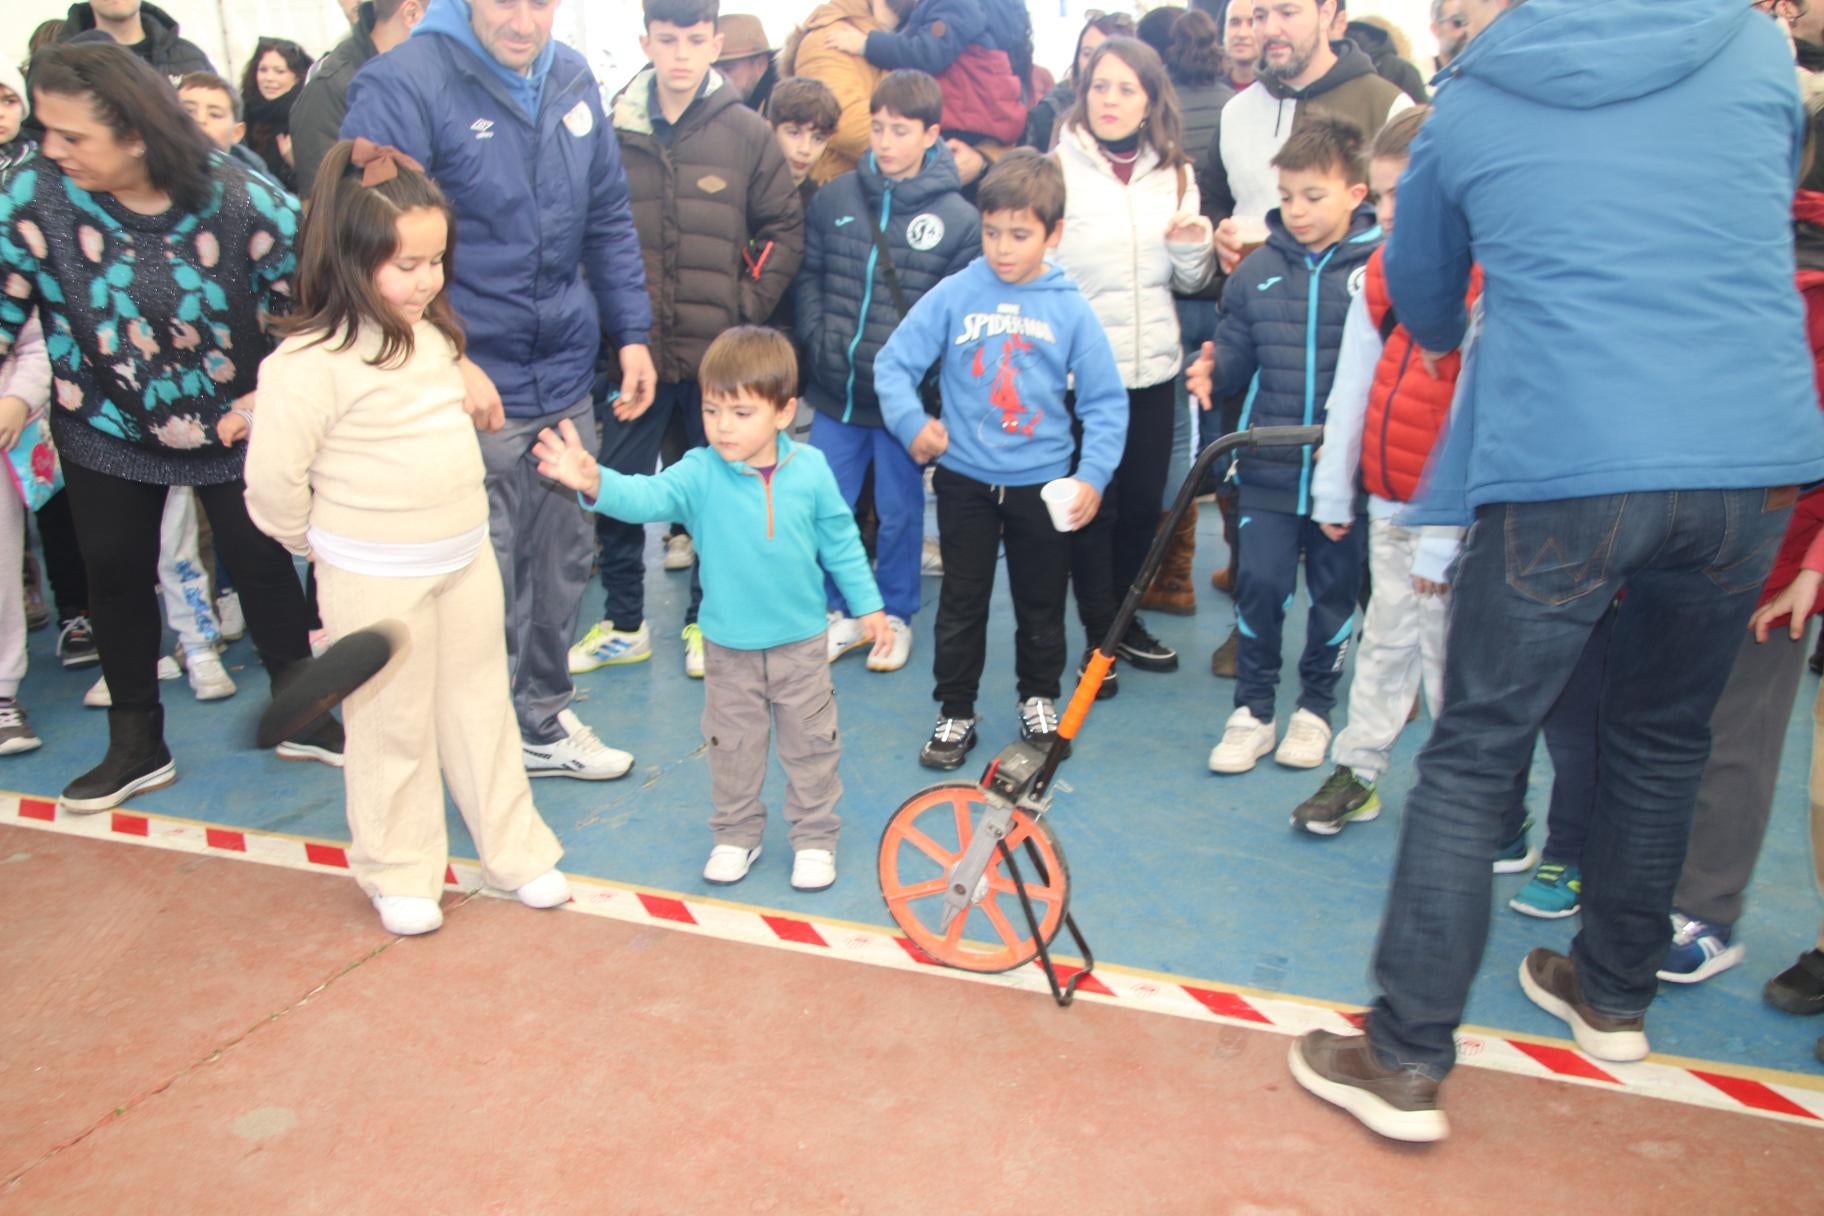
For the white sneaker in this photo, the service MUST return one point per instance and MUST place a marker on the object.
(408, 915)
(931, 558)
(902, 647)
(693, 651)
(579, 754)
(98, 696)
(549, 890)
(813, 869)
(729, 863)
(228, 617)
(845, 635)
(209, 680)
(1307, 741)
(680, 554)
(1244, 741)
(606, 646)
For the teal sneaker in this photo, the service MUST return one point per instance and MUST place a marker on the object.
(1343, 799)
(1517, 856)
(606, 646)
(1554, 892)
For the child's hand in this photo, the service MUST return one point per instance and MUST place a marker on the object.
(1229, 242)
(1335, 532)
(480, 399)
(1084, 506)
(1425, 587)
(566, 461)
(1189, 228)
(13, 413)
(845, 38)
(1199, 377)
(236, 424)
(1796, 600)
(874, 627)
(930, 443)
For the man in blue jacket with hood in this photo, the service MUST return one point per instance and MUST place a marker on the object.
(510, 124)
(1638, 413)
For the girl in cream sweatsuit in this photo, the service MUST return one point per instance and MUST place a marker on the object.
(364, 459)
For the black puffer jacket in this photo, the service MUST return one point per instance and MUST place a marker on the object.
(163, 49)
(1201, 105)
(716, 198)
(845, 309)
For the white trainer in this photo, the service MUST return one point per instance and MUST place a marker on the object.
(579, 754)
(680, 554)
(408, 915)
(844, 634)
(209, 680)
(1307, 741)
(931, 559)
(729, 863)
(549, 890)
(98, 696)
(902, 648)
(1244, 741)
(813, 869)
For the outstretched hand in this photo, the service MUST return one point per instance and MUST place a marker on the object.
(563, 458)
(874, 627)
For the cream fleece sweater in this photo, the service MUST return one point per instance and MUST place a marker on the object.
(384, 455)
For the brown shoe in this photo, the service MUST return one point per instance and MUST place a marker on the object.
(1549, 980)
(1172, 590)
(1222, 662)
(1174, 597)
(1223, 580)
(1398, 1103)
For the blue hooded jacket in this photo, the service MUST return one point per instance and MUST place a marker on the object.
(546, 258)
(1623, 171)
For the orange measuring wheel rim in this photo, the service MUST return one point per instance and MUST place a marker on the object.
(924, 838)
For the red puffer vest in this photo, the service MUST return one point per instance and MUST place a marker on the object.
(1406, 407)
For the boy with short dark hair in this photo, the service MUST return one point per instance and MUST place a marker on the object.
(721, 234)
(876, 241)
(768, 524)
(1282, 325)
(804, 113)
(1011, 333)
(216, 106)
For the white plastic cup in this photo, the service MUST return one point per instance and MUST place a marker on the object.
(1058, 496)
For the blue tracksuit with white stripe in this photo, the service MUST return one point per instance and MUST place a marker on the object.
(1281, 329)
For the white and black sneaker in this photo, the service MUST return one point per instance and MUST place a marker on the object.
(16, 734)
(579, 754)
(950, 742)
(1039, 723)
(76, 643)
(1145, 651)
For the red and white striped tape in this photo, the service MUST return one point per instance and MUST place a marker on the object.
(1789, 1096)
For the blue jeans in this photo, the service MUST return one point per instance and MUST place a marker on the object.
(899, 500)
(1570, 738)
(1533, 582)
(633, 447)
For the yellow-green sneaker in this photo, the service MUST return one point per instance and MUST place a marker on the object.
(606, 646)
(693, 651)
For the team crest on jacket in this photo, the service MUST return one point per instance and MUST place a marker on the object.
(579, 120)
(1357, 277)
(924, 232)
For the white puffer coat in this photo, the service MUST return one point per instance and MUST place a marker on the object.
(1114, 247)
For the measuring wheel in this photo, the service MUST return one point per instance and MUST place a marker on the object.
(922, 843)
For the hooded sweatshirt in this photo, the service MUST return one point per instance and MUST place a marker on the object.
(1626, 168)
(452, 19)
(162, 48)
(1009, 352)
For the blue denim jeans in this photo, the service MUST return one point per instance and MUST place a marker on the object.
(1533, 581)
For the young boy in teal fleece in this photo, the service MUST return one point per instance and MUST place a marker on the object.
(768, 521)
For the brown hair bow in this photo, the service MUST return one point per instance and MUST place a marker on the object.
(379, 163)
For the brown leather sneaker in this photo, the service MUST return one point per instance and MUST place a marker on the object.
(1398, 1103)
(1222, 661)
(1549, 980)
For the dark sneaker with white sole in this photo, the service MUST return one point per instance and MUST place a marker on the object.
(1039, 723)
(137, 761)
(321, 741)
(16, 733)
(1141, 649)
(1800, 988)
(950, 742)
(1111, 683)
(1340, 801)
(1398, 1103)
(76, 643)
(1549, 980)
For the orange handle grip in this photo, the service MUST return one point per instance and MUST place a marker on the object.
(1099, 666)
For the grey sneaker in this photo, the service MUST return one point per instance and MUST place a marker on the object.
(1398, 1103)
(1343, 799)
(16, 734)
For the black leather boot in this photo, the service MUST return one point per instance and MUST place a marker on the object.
(137, 760)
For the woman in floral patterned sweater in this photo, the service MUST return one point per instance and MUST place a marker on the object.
(153, 263)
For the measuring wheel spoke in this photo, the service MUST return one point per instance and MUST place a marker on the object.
(929, 847)
(919, 890)
(1015, 939)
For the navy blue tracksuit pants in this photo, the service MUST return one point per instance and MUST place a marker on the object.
(1271, 544)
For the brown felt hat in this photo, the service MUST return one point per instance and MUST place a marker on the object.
(742, 36)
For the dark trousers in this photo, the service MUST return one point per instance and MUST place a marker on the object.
(972, 520)
(1107, 555)
(1571, 738)
(1533, 581)
(117, 525)
(633, 447)
(63, 565)
(1271, 546)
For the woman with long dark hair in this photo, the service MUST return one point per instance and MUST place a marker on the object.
(269, 88)
(154, 263)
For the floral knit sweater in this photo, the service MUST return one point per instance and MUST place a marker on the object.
(155, 324)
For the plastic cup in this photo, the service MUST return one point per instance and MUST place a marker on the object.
(1058, 496)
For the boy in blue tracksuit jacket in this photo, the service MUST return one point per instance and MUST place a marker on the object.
(1282, 328)
(906, 191)
(1012, 332)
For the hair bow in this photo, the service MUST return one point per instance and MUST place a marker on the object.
(379, 163)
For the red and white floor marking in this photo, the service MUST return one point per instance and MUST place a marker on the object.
(1789, 1096)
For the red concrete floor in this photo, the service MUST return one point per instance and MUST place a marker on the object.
(189, 1035)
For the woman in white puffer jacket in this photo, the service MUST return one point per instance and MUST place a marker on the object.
(1132, 236)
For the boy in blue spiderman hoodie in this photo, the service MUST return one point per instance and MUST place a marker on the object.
(1011, 332)
(1282, 328)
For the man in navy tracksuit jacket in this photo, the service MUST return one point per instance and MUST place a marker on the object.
(1281, 329)
(846, 313)
(510, 124)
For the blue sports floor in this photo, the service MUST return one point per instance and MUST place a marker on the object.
(1173, 869)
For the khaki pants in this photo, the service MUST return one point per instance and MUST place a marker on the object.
(443, 702)
(746, 695)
